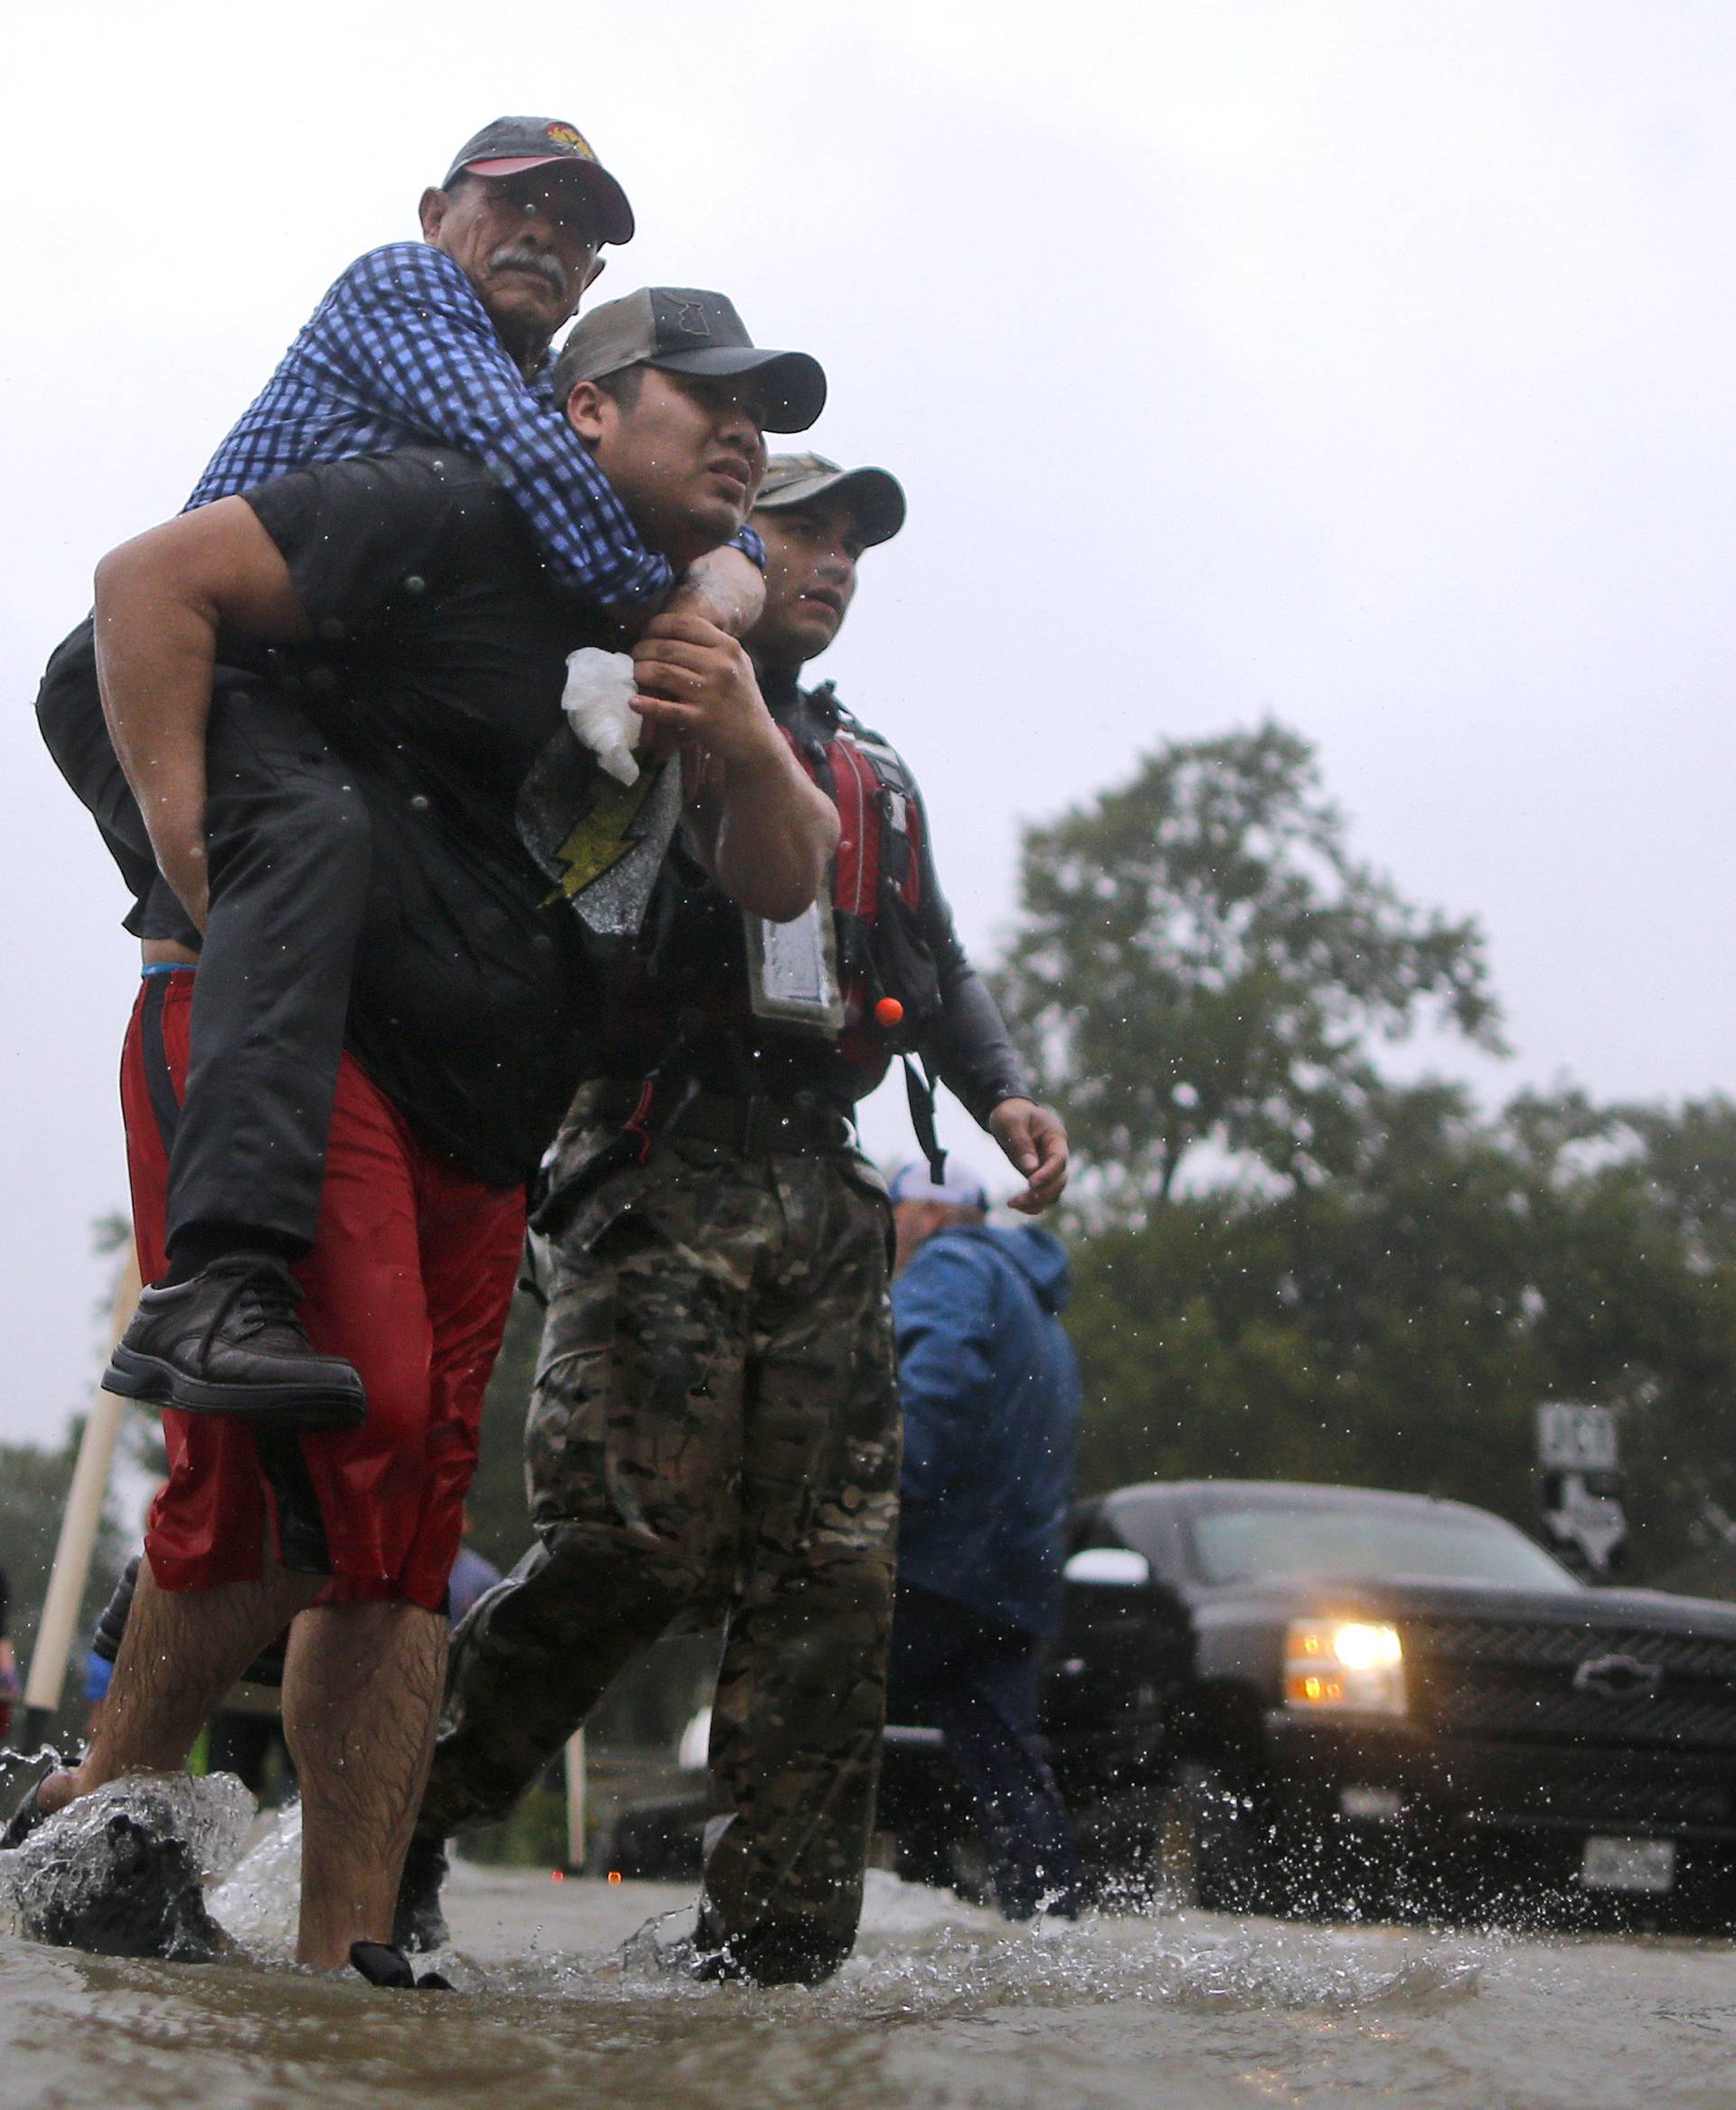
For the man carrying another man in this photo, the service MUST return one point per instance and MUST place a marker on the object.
(444, 342)
(715, 1431)
(409, 584)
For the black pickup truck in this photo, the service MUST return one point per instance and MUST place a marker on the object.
(1271, 1697)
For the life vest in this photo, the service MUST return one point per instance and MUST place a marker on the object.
(876, 884)
(882, 952)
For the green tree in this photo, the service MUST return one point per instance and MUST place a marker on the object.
(1371, 1329)
(1397, 1327)
(1355, 1281)
(1679, 1433)
(1202, 960)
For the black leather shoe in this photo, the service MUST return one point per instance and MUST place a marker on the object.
(228, 1341)
(419, 1924)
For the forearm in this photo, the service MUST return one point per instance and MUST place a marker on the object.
(156, 650)
(723, 586)
(161, 600)
(969, 1047)
(926, 1470)
(775, 832)
(970, 1050)
(763, 830)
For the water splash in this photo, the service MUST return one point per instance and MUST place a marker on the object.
(922, 1953)
(258, 1902)
(928, 1956)
(925, 1955)
(121, 1871)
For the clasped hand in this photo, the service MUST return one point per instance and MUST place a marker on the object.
(697, 684)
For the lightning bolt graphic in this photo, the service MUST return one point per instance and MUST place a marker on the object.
(599, 841)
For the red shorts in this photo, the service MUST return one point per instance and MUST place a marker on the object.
(411, 1275)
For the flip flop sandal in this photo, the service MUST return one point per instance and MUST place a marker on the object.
(381, 1965)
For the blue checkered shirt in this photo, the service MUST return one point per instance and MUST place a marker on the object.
(402, 353)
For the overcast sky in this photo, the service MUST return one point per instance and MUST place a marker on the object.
(1367, 365)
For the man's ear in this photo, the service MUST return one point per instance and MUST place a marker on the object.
(595, 273)
(588, 408)
(432, 211)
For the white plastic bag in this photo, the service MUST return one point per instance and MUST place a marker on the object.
(597, 700)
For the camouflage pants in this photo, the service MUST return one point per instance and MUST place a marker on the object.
(713, 1431)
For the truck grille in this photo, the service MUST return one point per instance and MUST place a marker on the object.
(1516, 1679)
(1586, 1797)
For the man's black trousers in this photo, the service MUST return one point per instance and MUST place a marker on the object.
(975, 1680)
(288, 859)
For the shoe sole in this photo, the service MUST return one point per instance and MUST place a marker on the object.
(300, 1408)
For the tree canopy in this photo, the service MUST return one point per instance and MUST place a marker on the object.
(1397, 1327)
(1358, 1280)
(1202, 960)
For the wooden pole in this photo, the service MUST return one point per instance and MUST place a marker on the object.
(576, 1789)
(78, 1540)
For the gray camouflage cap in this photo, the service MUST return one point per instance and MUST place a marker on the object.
(794, 480)
(687, 331)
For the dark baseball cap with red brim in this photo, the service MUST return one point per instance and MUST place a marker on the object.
(510, 145)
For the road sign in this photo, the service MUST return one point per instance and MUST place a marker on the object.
(1573, 1438)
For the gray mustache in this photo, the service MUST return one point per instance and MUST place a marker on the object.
(509, 255)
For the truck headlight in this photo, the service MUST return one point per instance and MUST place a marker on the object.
(1343, 1666)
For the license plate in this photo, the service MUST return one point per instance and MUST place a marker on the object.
(1629, 1864)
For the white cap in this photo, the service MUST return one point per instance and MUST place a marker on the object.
(961, 1187)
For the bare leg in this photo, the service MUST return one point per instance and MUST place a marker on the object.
(181, 1653)
(361, 1699)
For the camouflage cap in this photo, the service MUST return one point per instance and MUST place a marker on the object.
(795, 480)
(510, 145)
(686, 330)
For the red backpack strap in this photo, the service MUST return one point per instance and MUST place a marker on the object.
(900, 813)
(799, 750)
(855, 883)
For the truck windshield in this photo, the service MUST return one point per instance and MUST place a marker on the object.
(1354, 1541)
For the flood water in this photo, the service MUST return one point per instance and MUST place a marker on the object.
(944, 2004)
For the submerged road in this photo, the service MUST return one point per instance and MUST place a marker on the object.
(943, 2005)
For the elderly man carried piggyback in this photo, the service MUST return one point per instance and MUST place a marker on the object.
(409, 686)
(442, 343)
